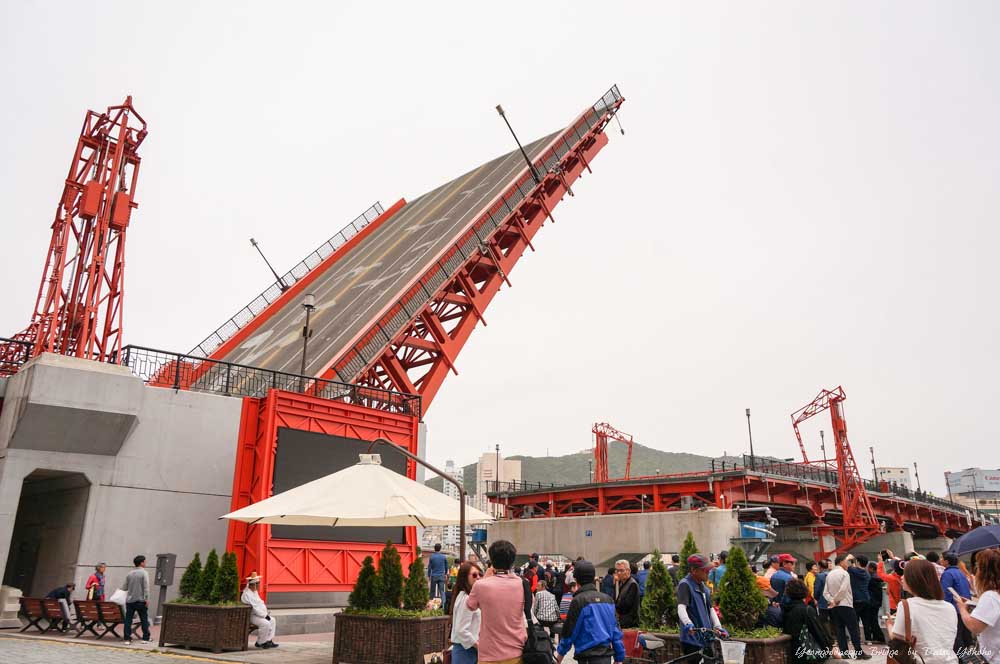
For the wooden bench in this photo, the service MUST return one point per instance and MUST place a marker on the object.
(87, 617)
(36, 610)
(110, 616)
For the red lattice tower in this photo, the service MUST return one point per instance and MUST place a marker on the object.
(603, 432)
(859, 521)
(78, 309)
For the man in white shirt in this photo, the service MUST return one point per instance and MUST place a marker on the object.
(259, 616)
(840, 599)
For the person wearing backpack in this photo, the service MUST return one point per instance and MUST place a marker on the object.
(590, 627)
(810, 640)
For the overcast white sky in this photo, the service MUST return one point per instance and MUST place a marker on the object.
(805, 197)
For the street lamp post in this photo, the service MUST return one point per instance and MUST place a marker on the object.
(281, 282)
(308, 303)
(916, 474)
(445, 476)
(753, 464)
(590, 468)
(871, 450)
(534, 171)
(822, 446)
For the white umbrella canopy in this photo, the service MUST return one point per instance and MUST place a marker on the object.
(365, 494)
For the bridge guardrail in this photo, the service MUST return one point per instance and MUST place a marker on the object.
(160, 368)
(274, 291)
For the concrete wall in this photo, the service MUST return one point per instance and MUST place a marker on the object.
(161, 492)
(612, 534)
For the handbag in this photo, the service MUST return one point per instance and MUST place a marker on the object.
(901, 651)
(538, 644)
(810, 649)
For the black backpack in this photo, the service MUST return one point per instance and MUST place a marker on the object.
(538, 646)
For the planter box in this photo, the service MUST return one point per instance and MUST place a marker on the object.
(376, 640)
(216, 628)
(759, 651)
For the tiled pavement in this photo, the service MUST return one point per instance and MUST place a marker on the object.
(300, 649)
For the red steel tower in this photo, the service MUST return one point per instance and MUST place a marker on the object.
(859, 521)
(78, 309)
(603, 432)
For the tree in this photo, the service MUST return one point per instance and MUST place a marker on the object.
(227, 581)
(366, 594)
(206, 584)
(390, 576)
(689, 549)
(189, 582)
(416, 594)
(659, 604)
(740, 600)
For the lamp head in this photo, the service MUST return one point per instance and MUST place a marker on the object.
(309, 301)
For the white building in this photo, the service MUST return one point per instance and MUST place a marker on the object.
(486, 476)
(898, 474)
(976, 488)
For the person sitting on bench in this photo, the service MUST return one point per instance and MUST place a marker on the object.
(65, 595)
(259, 615)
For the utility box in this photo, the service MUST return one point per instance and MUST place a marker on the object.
(165, 564)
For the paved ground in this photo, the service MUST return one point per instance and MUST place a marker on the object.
(300, 649)
(354, 290)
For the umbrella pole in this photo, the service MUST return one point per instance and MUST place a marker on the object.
(446, 477)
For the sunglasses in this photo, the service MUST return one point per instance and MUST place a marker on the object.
(476, 575)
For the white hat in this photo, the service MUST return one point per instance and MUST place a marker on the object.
(253, 578)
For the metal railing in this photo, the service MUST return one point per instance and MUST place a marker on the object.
(13, 354)
(160, 368)
(353, 362)
(274, 291)
(515, 486)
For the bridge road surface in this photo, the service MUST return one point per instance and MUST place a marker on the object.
(352, 292)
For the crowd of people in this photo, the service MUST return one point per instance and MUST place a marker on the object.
(830, 608)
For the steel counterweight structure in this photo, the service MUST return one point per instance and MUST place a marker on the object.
(396, 305)
(604, 432)
(858, 521)
(78, 308)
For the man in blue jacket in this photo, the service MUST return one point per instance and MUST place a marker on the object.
(590, 626)
(437, 570)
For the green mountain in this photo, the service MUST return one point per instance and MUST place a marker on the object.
(576, 468)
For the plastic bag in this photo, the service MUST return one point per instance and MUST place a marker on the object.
(118, 597)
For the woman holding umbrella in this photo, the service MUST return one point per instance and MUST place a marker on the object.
(984, 619)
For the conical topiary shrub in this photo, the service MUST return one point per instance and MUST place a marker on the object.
(227, 582)
(741, 601)
(206, 583)
(188, 588)
(689, 548)
(659, 604)
(390, 576)
(416, 594)
(366, 594)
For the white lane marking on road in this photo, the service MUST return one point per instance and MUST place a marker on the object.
(426, 224)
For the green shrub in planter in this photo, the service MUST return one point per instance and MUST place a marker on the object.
(367, 595)
(189, 582)
(741, 601)
(390, 576)
(416, 594)
(227, 582)
(659, 604)
(206, 582)
(689, 549)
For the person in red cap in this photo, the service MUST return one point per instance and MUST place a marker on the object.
(781, 577)
(694, 605)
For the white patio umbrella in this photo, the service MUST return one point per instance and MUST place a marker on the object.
(365, 494)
